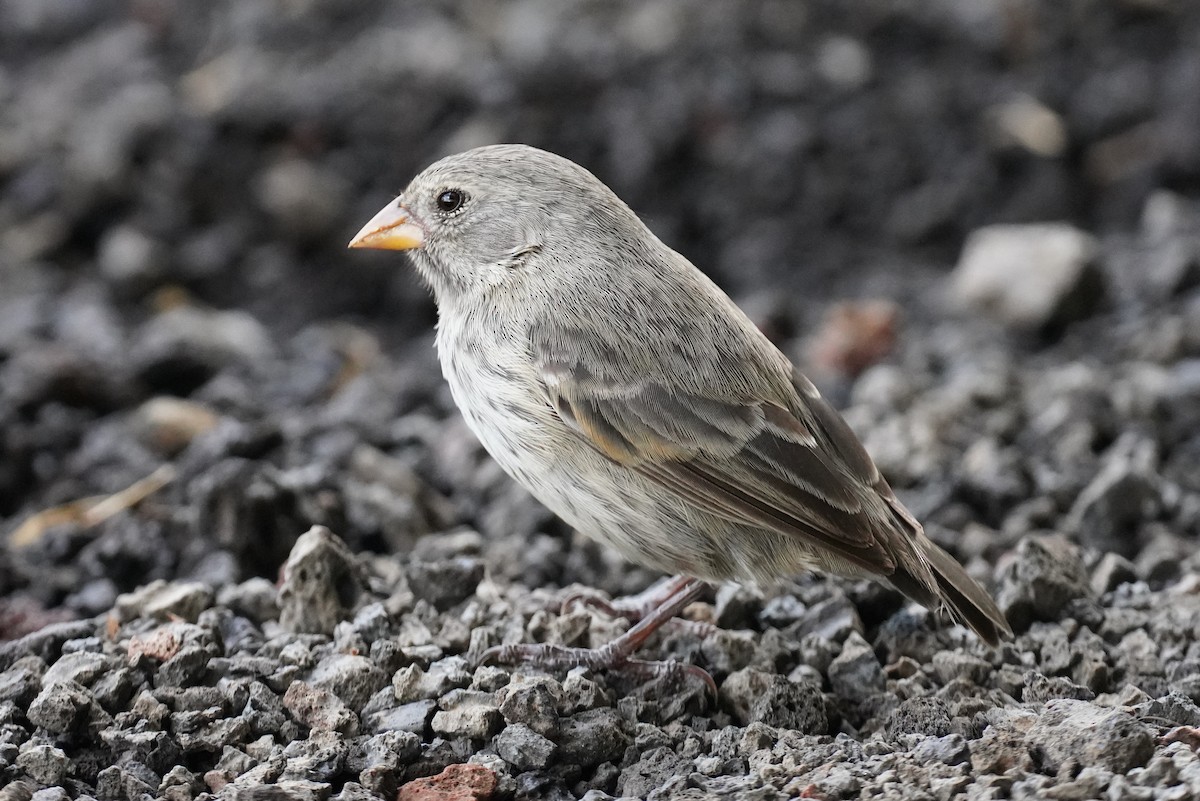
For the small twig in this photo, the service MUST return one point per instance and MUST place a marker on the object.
(87, 512)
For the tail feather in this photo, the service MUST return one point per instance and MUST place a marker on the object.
(966, 601)
(951, 588)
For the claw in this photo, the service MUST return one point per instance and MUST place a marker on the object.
(617, 655)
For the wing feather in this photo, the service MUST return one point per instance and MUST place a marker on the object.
(792, 466)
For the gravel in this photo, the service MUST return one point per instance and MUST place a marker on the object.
(978, 232)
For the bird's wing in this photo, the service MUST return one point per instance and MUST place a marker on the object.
(790, 467)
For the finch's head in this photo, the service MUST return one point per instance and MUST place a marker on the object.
(488, 216)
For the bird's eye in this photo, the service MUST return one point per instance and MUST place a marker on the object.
(450, 200)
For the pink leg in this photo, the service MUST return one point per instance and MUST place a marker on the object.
(619, 652)
(636, 607)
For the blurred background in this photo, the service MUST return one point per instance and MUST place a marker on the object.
(178, 181)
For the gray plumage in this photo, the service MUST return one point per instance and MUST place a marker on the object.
(629, 394)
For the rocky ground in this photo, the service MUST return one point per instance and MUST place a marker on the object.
(976, 225)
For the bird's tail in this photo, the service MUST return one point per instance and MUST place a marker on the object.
(967, 602)
(951, 588)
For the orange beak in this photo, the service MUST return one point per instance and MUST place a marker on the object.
(390, 229)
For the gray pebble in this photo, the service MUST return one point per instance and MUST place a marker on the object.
(185, 346)
(949, 749)
(786, 704)
(534, 701)
(22, 681)
(1039, 688)
(51, 794)
(321, 583)
(467, 713)
(1123, 493)
(951, 665)
(1029, 276)
(833, 619)
(593, 736)
(412, 717)
(658, 772)
(45, 764)
(319, 709)
(186, 667)
(352, 678)
(129, 259)
(1076, 732)
(255, 598)
(445, 584)
(856, 673)
(412, 683)
(61, 708)
(1046, 575)
(1110, 572)
(524, 748)
(166, 601)
(928, 716)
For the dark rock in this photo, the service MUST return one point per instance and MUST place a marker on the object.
(81, 667)
(524, 748)
(321, 583)
(534, 701)
(65, 707)
(183, 347)
(1124, 492)
(654, 772)
(1046, 575)
(113, 690)
(373, 623)
(412, 717)
(1078, 733)
(353, 679)
(949, 749)
(391, 750)
(445, 584)
(788, 704)
(189, 665)
(856, 673)
(834, 619)
(593, 736)
(164, 601)
(726, 651)
(951, 665)
(782, 610)
(1039, 688)
(1110, 572)
(736, 605)
(319, 758)
(22, 681)
(929, 716)
(49, 794)
(125, 781)
(1005, 744)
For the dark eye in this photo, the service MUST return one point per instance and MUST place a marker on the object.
(451, 200)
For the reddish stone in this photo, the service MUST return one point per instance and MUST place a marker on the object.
(20, 616)
(1187, 735)
(161, 644)
(455, 783)
(854, 336)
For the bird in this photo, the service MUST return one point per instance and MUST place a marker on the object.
(629, 394)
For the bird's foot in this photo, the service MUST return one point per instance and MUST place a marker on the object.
(548, 655)
(634, 608)
(617, 654)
